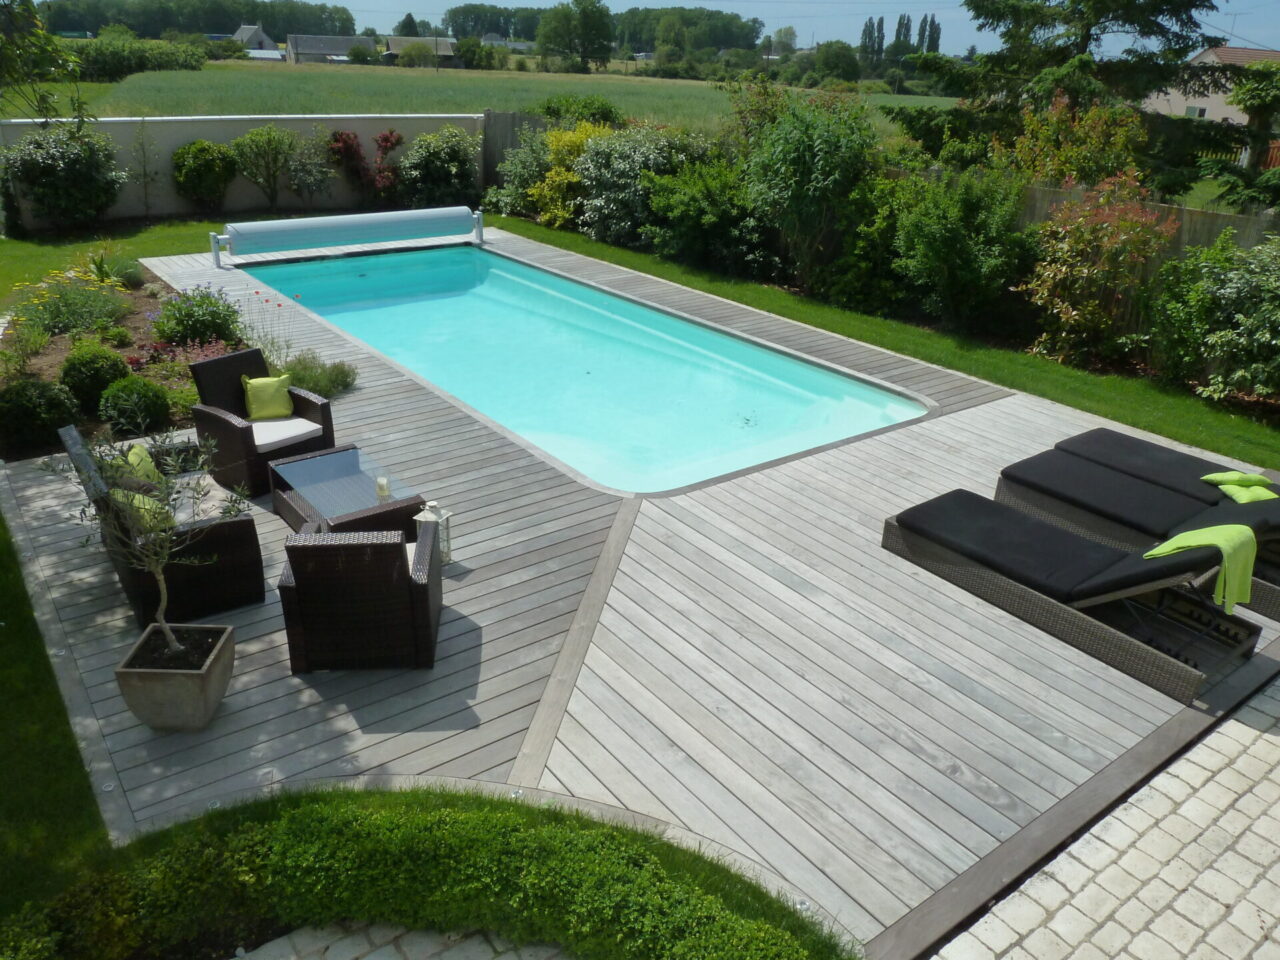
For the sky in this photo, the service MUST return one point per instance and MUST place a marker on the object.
(1246, 23)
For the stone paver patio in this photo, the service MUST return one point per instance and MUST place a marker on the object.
(395, 943)
(1188, 867)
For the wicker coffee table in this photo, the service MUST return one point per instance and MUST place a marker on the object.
(338, 487)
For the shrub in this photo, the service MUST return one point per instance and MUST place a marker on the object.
(957, 242)
(181, 400)
(1216, 322)
(598, 891)
(616, 201)
(31, 411)
(309, 170)
(522, 169)
(1066, 144)
(116, 336)
(558, 198)
(439, 169)
(70, 176)
(262, 156)
(202, 171)
(88, 370)
(574, 109)
(199, 315)
(73, 302)
(110, 59)
(309, 372)
(801, 172)
(371, 184)
(359, 53)
(1093, 276)
(134, 406)
(703, 216)
(416, 55)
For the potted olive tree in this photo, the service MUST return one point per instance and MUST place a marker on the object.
(153, 505)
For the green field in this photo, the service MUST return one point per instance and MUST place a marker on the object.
(227, 87)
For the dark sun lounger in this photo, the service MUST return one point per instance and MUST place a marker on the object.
(1126, 492)
(1141, 616)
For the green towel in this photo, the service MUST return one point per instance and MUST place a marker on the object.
(1238, 547)
(1237, 479)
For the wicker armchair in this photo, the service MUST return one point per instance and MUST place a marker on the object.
(227, 571)
(242, 449)
(356, 600)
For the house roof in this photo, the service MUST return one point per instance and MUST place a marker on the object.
(272, 54)
(1238, 56)
(248, 32)
(443, 46)
(328, 46)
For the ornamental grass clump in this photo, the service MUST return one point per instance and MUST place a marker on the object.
(198, 316)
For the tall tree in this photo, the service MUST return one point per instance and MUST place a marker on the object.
(902, 34)
(580, 31)
(934, 40)
(1257, 93)
(784, 38)
(879, 39)
(922, 34)
(407, 27)
(1055, 45)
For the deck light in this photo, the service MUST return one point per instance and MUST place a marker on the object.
(434, 514)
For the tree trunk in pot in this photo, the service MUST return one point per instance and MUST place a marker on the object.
(178, 699)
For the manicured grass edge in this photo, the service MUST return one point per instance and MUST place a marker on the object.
(50, 826)
(422, 859)
(1139, 403)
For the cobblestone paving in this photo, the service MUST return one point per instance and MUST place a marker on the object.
(1188, 868)
(394, 943)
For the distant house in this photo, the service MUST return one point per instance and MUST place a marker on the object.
(303, 48)
(254, 38)
(515, 46)
(445, 48)
(275, 55)
(1211, 106)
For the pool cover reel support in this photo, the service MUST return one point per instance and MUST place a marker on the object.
(272, 236)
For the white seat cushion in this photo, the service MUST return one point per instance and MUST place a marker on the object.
(199, 498)
(274, 434)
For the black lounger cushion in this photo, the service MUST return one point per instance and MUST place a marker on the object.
(1140, 458)
(1117, 496)
(1261, 516)
(1039, 555)
(1048, 559)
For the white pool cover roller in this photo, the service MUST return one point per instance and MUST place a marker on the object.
(272, 236)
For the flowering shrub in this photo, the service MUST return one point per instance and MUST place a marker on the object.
(1092, 279)
(558, 197)
(69, 176)
(71, 302)
(439, 169)
(1216, 322)
(198, 315)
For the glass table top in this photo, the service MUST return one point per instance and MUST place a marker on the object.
(340, 482)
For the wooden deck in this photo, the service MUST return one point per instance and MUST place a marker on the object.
(741, 661)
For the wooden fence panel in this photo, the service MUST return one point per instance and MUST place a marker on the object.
(501, 133)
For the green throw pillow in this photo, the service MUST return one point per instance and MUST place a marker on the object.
(148, 515)
(267, 397)
(141, 465)
(1237, 479)
(1247, 494)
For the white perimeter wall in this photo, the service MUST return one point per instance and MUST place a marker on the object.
(166, 134)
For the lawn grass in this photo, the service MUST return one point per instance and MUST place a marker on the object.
(29, 260)
(50, 828)
(236, 87)
(1139, 403)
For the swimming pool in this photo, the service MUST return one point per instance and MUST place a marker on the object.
(630, 397)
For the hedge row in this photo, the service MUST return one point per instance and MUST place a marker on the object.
(597, 890)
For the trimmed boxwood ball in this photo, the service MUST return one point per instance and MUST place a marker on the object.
(133, 405)
(88, 370)
(31, 411)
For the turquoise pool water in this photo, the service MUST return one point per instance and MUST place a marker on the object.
(633, 398)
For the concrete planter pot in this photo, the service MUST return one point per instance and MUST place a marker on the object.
(168, 699)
